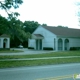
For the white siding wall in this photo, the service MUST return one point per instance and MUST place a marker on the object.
(31, 43)
(49, 37)
(74, 42)
(48, 40)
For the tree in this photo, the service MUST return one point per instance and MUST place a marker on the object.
(62, 26)
(12, 26)
(77, 3)
(30, 26)
(44, 24)
(59, 26)
(3, 25)
(16, 30)
(8, 4)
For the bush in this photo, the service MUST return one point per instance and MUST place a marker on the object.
(74, 48)
(1, 49)
(30, 47)
(47, 48)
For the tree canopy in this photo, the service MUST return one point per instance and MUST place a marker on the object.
(19, 31)
(30, 26)
(8, 4)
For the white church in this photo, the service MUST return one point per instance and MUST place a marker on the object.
(57, 38)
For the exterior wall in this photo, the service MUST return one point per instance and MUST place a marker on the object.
(61, 44)
(31, 43)
(74, 42)
(48, 40)
(52, 41)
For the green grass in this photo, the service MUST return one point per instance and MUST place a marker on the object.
(5, 64)
(53, 54)
(10, 51)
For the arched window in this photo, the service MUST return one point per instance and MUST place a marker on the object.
(60, 44)
(54, 44)
(66, 44)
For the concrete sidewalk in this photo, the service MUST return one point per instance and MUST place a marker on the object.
(24, 59)
(26, 52)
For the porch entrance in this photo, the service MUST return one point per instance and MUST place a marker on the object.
(38, 44)
(5, 41)
(60, 44)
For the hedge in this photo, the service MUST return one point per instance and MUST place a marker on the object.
(47, 48)
(74, 48)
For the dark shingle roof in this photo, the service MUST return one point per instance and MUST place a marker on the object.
(38, 35)
(62, 31)
(4, 35)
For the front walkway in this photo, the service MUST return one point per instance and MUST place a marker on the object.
(27, 52)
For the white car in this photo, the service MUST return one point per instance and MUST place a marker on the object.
(20, 46)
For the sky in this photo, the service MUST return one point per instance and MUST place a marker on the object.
(50, 12)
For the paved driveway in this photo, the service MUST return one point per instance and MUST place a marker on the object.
(26, 52)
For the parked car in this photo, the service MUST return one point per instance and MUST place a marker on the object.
(20, 46)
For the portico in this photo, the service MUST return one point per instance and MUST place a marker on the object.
(4, 41)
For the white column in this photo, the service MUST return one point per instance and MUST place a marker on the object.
(1, 42)
(8, 43)
(35, 44)
(56, 44)
(42, 44)
(38, 44)
(63, 45)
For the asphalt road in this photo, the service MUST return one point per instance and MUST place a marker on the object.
(48, 72)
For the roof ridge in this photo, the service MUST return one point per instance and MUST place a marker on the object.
(62, 31)
(60, 27)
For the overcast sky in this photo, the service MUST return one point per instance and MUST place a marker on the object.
(51, 12)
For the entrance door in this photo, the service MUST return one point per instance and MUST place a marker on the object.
(5, 43)
(66, 44)
(38, 44)
(60, 44)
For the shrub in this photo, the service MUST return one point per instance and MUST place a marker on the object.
(30, 47)
(74, 48)
(47, 48)
(1, 49)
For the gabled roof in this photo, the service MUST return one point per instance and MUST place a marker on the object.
(62, 31)
(4, 35)
(38, 35)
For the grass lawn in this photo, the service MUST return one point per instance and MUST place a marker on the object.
(10, 51)
(53, 54)
(6, 64)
